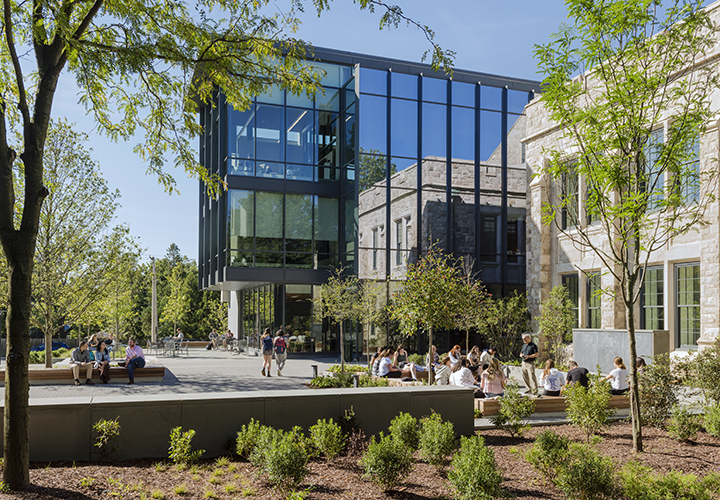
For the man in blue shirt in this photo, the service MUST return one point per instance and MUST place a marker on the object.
(529, 354)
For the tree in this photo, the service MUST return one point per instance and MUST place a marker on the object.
(503, 322)
(373, 168)
(640, 65)
(78, 256)
(556, 319)
(339, 298)
(177, 305)
(141, 65)
(370, 311)
(430, 296)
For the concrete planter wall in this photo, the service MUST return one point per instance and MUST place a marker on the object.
(599, 347)
(61, 429)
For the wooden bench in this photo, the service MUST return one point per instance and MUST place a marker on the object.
(545, 404)
(57, 376)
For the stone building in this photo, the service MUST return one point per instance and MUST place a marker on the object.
(681, 290)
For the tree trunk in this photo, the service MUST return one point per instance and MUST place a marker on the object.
(467, 341)
(16, 466)
(431, 373)
(342, 347)
(634, 388)
(48, 347)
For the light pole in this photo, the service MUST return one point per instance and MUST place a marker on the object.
(153, 326)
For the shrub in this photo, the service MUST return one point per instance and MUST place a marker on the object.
(386, 462)
(328, 382)
(587, 408)
(548, 453)
(658, 392)
(348, 369)
(368, 381)
(586, 475)
(285, 460)
(437, 439)
(264, 439)
(641, 483)
(327, 437)
(247, 438)
(712, 419)
(107, 432)
(181, 451)
(703, 371)
(474, 473)
(683, 425)
(418, 359)
(405, 428)
(514, 411)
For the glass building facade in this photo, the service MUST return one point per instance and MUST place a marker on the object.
(391, 159)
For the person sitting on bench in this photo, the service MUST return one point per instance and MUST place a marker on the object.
(552, 380)
(80, 358)
(134, 358)
(386, 368)
(577, 374)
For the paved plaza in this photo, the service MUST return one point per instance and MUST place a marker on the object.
(202, 371)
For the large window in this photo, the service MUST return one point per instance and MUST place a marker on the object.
(655, 179)
(652, 298)
(268, 229)
(572, 284)
(594, 300)
(569, 197)
(688, 303)
(690, 185)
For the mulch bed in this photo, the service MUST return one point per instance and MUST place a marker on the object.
(342, 479)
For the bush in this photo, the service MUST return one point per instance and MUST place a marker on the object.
(548, 452)
(586, 475)
(658, 392)
(181, 451)
(641, 483)
(683, 425)
(285, 460)
(703, 371)
(404, 427)
(38, 357)
(587, 408)
(368, 381)
(348, 369)
(474, 473)
(107, 432)
(515, 409)
(437, 439)
(264, 440)
(418, 359)
(386, 462)
(247, 438)
(712, 420)
(327, 437)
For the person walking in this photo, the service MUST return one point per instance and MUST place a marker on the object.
(267, 351)
(529, 354)
(280, 346)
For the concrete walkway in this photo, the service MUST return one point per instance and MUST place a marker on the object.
(203, 371)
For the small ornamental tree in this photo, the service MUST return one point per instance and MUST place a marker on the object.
(503, 321)
(641, 65)
(556, 319)
(338, 300)
(178, 304)
(473, 298)
(431, 297)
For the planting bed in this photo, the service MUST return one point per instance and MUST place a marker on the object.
(342, 478)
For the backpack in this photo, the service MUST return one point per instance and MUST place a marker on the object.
(280, 345)
(267, 343)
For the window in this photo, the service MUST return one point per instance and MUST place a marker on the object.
(655, 177)
(593, 300)
(399, 233)
(374, 247)
(488, 238)
(688, 303)
(572, 284)
(652, 315)
(569, 197)
(690, 185)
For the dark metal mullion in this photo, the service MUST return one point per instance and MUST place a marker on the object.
(222, 258)
(504, 208)
(448, 170)
(388, 191)
(476, 138)
(419, 204)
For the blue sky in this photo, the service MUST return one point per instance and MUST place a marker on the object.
(488, 35)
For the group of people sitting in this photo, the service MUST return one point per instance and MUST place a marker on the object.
(85, 358)
(482, 371)
(220, 339)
